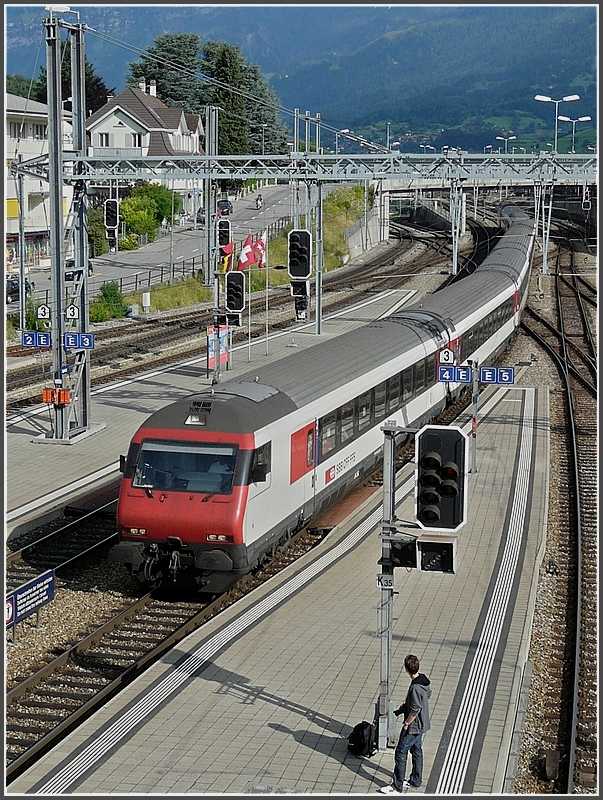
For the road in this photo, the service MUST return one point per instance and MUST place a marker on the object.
(178, 245)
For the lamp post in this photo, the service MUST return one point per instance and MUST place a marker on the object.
(488, 147)
(264, 126)
(545, 99)
(573, 121)
(506, 139)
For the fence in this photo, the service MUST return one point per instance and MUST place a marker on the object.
(158, 276)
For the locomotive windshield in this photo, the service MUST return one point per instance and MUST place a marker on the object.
(184, 467)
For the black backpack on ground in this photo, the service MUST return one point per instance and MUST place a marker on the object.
(362, 740)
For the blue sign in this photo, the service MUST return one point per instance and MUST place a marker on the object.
(78, 341)
(35, 339)
(28, 598)
(501, 375)
(454, 374)
(463, 374)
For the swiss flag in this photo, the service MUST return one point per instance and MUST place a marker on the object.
(260, 250)
(247, 256)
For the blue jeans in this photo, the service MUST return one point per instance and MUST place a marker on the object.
(408, 743)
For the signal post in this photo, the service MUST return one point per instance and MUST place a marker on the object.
(440, 504)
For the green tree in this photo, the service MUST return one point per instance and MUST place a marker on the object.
(226, 65)
(266, 132)
(97, 240)
(139, 212)
(161, 196)
(19, 85)
(95, 89)
(172, 62)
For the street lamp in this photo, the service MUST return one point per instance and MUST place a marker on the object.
(545, 99)
(573, 121)
(488, 147)
(264, 125)
(506, 140)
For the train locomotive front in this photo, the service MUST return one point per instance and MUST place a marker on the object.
(187, 480)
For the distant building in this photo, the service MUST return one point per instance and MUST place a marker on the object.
(26, 136)
(135, 123)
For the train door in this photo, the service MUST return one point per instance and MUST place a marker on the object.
(303, 466)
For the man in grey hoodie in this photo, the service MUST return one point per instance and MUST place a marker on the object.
(415, 723)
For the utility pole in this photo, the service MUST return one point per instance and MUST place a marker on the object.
(55, 192)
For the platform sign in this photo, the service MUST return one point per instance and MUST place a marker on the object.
(385, 581)
(86, 341)
(454, 374)
(500, 375)
(446, 356)
(43, 311)
(35, 339)
(78, 341)
(72, 312)
(223, 334)
(29, 598)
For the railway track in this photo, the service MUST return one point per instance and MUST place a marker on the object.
(68, 544)
(127, 348)
(569, 740)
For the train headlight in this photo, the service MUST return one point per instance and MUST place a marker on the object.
(134, 531)
(219, 537)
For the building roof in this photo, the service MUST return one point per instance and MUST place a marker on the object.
(152, 114)
(13, 103)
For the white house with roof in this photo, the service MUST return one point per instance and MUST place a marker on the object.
(26, 137)
(135, 123)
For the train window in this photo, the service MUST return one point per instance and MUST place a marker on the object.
(310, 448)
(393, 394)
(407, 384)
(328, 433)
(181, 466)
(364, 411)
(430, 370)
(419, 376)
(262, 462)
(346, 414)
(379, 401)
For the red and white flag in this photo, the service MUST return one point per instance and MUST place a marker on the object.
(247, 256)
(260, 249)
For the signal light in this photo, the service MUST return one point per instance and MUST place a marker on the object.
(299, 260)
(223, 232)
(235, 292)
(440, 478)
(111, 214)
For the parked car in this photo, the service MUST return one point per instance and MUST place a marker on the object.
(13, 289)
(71, 272)
(201, 216)
(224, 207)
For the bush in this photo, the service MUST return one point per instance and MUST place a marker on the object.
(109, 305)
(130, 242)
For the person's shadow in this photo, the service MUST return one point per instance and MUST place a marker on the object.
(332, 741)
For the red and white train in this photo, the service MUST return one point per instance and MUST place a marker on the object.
(213, 481)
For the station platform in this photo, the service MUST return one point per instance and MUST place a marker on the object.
(261, 700)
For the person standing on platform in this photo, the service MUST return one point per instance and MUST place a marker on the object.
(415, 711)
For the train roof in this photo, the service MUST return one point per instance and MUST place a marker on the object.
(266, 393)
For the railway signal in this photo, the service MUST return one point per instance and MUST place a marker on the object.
(223, 233)
(235, 292)
(299, 261)
(111, 214)
(441, 478)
